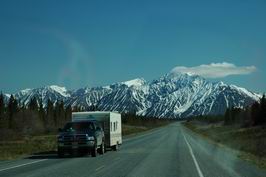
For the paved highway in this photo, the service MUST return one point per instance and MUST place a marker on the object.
(169, 151)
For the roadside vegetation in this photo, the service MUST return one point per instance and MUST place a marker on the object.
(30, 129)
(26, 146)
(240, 129)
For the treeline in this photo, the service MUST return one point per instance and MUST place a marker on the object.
(250, 116)
(253, 115)
(149, 122)
(207, 118)
(18, 120)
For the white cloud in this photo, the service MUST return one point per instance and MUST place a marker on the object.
(215, 70)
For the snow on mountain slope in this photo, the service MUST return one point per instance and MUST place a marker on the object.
(6, 97)
(61, 90)
(53, 93)
(125, 99)
(173, 95)
(86, 97)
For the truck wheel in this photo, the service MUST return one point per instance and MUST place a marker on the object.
(94, 152)
(60, 153)
(102, 148)
(74, 153)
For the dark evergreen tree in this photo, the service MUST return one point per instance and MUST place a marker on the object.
(56, 114)
(227, 116)
(236, 119)
(263, 109)
(33, 104)
(50, 116)
(68, 113)
(59, 114)
(2, 106)
(42, 113)
(76, 109)
(255, 113)
(3, 120)
(12, 110)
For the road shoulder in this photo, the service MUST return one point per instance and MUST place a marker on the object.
(226, 139)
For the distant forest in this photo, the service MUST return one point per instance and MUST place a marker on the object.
(17, 120)
(253, 115)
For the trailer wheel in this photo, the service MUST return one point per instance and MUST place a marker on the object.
(115, 147)
(102, 148)
(94, 152)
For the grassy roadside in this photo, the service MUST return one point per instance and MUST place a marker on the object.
(28, 145)
(133, 130)
(35, 144)
(250, 142)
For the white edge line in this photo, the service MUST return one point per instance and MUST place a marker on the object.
(99, 168)
(193, 157)
(22, 165)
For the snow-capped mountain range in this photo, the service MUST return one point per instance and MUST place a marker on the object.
(174, 95)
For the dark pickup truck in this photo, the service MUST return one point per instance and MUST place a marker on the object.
(81, 136)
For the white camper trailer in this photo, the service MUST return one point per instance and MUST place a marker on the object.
(111, 123)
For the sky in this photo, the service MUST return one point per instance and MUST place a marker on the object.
(96, 43)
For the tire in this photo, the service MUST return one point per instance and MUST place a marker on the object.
(102, 148)
(60, 153)
(115, 147)
(94, 152)
(74, 153)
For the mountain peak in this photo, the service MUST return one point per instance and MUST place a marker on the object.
(61, 90)
(57, 88)
(173, 72)
(246, 92)
(135, 82)
(25, 91)
(179, 76)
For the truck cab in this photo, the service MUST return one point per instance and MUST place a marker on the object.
(81, 136)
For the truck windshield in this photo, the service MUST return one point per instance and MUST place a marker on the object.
(79, 126)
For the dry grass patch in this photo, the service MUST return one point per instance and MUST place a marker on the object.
(251, 142)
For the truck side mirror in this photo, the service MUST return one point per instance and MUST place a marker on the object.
(60, 130)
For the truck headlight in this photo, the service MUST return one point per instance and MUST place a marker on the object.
(90, 138)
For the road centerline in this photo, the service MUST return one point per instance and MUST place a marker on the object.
(17, 166)
(193, 157)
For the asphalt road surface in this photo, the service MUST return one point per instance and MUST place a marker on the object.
(169, 151)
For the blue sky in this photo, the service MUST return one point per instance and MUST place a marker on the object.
(94, 43)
